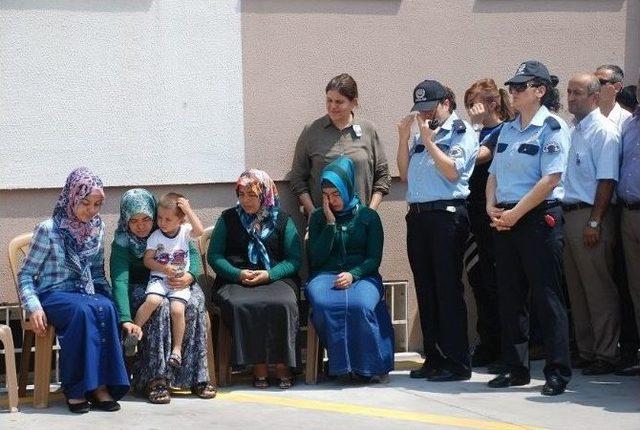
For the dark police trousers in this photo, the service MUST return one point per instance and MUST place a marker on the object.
(482, 278)
(436, 235)
(529, 267)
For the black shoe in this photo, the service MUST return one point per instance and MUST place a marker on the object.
(598, 367)
(496, 368)
(580, 363)
(509, 380)
(553, 386)
(448, 376)
(633, 370)
(106, 405)
(425, 371)
(79, 408)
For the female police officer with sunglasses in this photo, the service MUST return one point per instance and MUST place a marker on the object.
(523, 202)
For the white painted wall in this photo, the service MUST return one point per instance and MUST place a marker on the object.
(141, 91)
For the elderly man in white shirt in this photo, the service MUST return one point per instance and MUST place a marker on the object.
(610, 77)
(590, 179)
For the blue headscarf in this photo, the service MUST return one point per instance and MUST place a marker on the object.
(341, 173)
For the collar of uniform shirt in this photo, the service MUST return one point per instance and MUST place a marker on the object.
(537, 120)
(448, 124)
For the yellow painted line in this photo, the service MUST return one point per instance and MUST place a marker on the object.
(393, 414)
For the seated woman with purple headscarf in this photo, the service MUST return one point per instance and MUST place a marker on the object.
(63, 283)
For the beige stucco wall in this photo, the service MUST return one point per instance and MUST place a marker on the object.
(291, 48)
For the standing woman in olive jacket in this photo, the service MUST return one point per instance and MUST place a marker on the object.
(255, 251)
(345, 290)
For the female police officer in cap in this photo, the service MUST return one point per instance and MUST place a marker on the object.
(437, 165)
(523, 194)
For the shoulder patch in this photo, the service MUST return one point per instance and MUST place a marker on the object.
(551, 147)
(458, 126)
(553, 123)
(456, 152)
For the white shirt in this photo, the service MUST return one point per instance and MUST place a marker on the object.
(619, 116)
(594, 154)
(171, 250)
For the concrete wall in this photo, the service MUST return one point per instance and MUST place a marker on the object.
(291, 48)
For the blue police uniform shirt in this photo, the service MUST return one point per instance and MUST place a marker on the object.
(425, 182)
(524, 156)
(629, 185)
(594, 155)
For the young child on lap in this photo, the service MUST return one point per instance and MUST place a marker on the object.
(167, 256)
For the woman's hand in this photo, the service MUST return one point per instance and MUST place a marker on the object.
(181, 282)
(259, 277)
(404, 128)
(39, 322)
(131, 328)
(476, 113)
(506, 220)
(343, 280)
(328, 214)
(246, 275)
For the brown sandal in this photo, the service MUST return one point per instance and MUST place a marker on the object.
(285, 382)
(159, 392)
(204, 390)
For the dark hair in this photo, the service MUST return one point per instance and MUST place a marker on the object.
(449, 95)
(617, 75)
(488, 91)
(551, 98)
(627, 97)
(170, 201)
(345, 85)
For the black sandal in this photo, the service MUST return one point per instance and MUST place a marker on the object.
(261, 382)
(175, 360)
(285, 382)
(204, 390)
(79, 408)
(159, 393)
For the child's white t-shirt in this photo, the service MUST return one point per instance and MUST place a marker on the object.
(171, 250)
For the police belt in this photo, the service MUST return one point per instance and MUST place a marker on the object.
(631, 206)
(547, 204)
(568, 207)
(437, 205)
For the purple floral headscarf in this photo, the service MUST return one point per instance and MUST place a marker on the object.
(79, 185)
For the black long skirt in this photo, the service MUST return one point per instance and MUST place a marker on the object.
(263, 321)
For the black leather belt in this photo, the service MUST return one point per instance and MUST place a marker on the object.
(547, 204)
(437, 205)
(631, 206)
(568, 207)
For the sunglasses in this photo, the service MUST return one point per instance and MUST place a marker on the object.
(521, 86)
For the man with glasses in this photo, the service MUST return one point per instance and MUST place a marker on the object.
(610, 77)
(590, 230)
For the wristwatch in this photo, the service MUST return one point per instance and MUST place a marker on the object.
(593, 223)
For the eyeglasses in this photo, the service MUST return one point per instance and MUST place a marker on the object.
(521, 86)
(604, 82)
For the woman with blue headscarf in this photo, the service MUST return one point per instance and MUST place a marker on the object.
(255, 251)
(345, 288)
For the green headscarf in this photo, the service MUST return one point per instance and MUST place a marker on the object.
(133, 202)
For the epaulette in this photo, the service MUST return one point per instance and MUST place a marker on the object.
(553, 123)
(458, 126)
(492, 138)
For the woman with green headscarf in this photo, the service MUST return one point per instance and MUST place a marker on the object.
(345, 288)
(151, 373)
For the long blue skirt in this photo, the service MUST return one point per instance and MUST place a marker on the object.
(90, 351)
(353, 324)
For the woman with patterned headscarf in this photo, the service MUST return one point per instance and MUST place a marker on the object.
(345, 288)
(63, 283)
(151, 373)
(255, 251)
